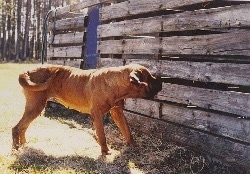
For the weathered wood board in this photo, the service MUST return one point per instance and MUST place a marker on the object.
(219, 124)
(228, 150)
(236, 43)
(226, 101)
(66, 62)
(80, 5)
(146, 107)
(205, 19)
(65, 15)
(72, 38)
(69, 24)
(209, 121)
(67, 52)
(135, 7)
(228, 73)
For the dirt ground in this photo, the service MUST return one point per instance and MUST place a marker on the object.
(63, 141)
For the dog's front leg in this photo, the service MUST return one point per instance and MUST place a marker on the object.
(120, 120)
(99, 128)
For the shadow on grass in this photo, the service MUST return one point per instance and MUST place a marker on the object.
(66, 116)
(32, 160)
(151, 156)
(167, 159)
(58, 111)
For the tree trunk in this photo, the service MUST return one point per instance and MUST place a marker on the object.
(38, 30)
(8, 13)
(13, 31)
(26, 32)
(4, 40)
(33, 25)
(19, 36)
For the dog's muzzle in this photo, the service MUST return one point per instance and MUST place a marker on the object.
(155, 87)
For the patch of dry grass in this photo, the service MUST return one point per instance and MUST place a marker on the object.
(63, 141)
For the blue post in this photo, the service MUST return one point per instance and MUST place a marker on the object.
(91, 55)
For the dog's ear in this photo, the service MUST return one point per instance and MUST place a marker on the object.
(135, 77)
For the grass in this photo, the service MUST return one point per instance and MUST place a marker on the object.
(63, 141)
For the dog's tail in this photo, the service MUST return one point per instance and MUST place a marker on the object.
(25, 82)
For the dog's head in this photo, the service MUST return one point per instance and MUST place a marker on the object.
(143, 82)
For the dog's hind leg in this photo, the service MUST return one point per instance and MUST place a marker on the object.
(35, 103)
(120, 120)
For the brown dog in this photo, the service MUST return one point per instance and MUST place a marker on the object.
(89, 91)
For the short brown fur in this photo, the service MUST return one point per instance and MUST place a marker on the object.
(89, 91)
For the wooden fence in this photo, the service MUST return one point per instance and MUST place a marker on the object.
(200, 49)
(73, 34)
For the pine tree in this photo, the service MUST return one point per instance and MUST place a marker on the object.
(26, 30)
(19, 35)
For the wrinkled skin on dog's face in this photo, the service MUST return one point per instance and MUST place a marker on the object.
(146, 84)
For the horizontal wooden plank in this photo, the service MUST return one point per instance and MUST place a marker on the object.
(225, 101)
(67, 39)
(223, 125)
(130, 46)
(215, 44)
(140, 56)
(143, 106)
(67, 52)
(108, 62)
(70, 24)
(50, 52)
(228, 73)
(79, 6)
(114, 11)
(110, 47)
(134, 7)
(74, 63)
(216, 18)
(69, 15)
(223, 148)
(153, 65)
(219, 124)
(131, 27)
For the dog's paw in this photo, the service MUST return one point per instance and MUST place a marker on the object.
(105, 151)
(132, 143)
